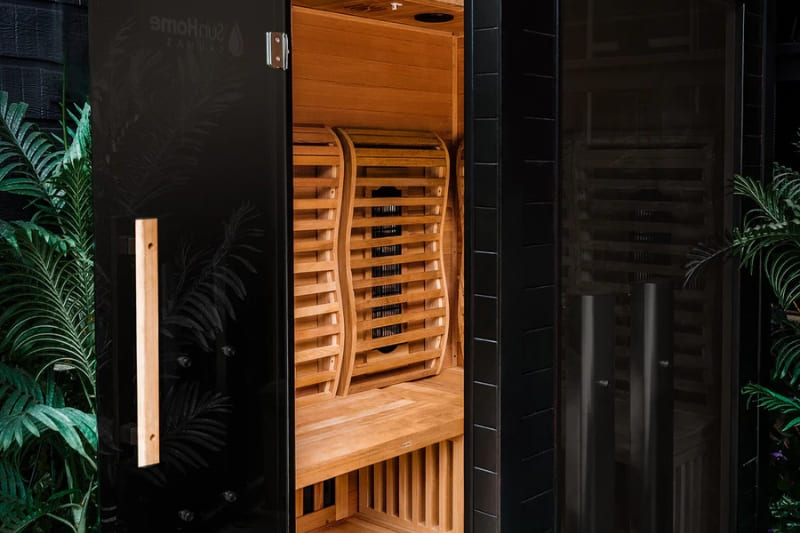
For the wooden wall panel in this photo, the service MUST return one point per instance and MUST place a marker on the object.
(396, 12)
(354, 72)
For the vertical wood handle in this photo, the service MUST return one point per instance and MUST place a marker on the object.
(147, 422)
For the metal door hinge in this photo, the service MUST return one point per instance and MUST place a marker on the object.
(277, 50)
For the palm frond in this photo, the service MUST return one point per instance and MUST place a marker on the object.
(47, 313)
(75, 217)
(772, 401)
(78, 140)
(774, 222)
(28, 410)
(23, 504)
(769, 199)
(782, 270)
(786, 349)
(704, 254)
(48, 433)
(18, 507)
(28, 158)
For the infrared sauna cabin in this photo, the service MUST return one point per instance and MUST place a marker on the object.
(378, 209)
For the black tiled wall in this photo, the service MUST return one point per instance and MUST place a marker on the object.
(37, 39)
(512, 177)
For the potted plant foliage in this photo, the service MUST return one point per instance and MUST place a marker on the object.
(48, 430)
(769, 237)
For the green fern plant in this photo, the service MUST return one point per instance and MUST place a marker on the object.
(769, 237)
(48, 430)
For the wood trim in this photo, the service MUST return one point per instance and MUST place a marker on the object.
(316, 519)
(342, 490)
(147, 350)
(460, 341)
(456, 112)
(458, 484)
(346, 275)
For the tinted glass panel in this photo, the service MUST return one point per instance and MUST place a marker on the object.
(647, 108)
(190, 129)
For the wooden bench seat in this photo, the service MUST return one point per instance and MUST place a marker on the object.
(337, 435)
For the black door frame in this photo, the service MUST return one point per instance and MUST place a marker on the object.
(755, 118)
(512, 182)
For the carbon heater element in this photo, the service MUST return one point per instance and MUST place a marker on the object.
(589, 417)
(651, 408)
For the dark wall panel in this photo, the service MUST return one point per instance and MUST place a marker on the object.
(482, 58)
(40, 41)
(528, 291)
(511, 173)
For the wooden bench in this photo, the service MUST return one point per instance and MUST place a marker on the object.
(400, 449)
(347, 433)
(387, 453)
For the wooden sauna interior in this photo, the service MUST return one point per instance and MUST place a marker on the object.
(378, 100)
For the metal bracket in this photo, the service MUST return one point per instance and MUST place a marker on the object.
(277, 50)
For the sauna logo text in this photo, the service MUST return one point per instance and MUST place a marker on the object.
(202, 36)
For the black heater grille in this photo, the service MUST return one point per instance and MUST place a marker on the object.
(387, 270)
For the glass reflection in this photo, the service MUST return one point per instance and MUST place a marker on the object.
(646, 146)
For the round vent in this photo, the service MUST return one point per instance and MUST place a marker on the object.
(433, 18)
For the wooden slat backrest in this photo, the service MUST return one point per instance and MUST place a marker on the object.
(395, 295)
(319, 325)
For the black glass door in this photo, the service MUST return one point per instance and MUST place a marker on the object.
(647, 154)
(190, 157)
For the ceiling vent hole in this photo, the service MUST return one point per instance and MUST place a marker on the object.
(433, 18)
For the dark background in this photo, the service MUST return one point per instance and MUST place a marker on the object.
(787, 117)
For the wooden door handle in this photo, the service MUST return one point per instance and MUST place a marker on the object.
(147, 422)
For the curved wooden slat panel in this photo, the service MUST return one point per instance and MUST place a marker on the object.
(391, 241)
(318, 321)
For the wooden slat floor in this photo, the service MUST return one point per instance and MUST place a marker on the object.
(354, 525)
